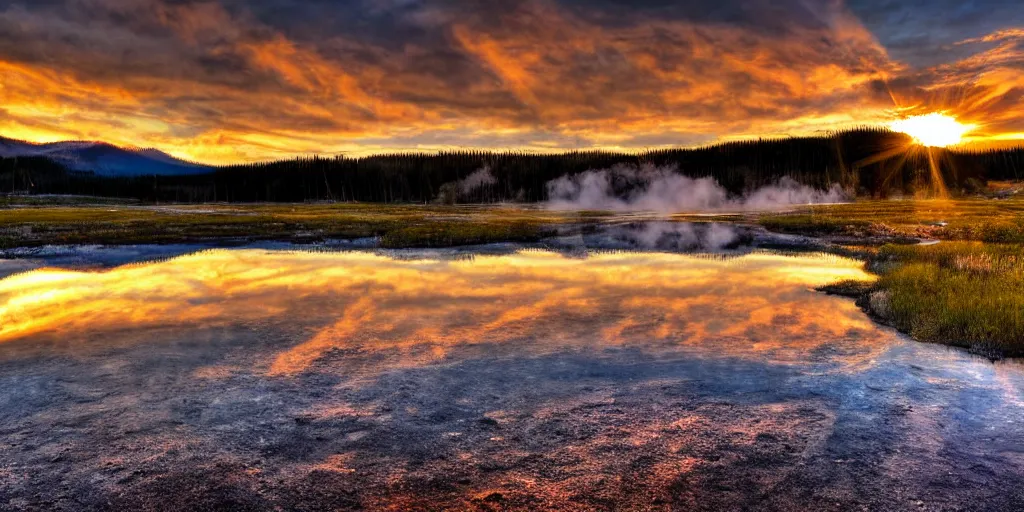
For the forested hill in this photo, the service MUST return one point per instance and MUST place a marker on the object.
(869, 162)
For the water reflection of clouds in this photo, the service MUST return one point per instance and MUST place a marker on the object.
(755, 304)
(563, 383)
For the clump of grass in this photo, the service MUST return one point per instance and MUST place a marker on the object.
(959, 293)
(812, 224)
(849, 288)
(975, 257)
(995, 232)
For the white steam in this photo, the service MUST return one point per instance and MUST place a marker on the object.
(453, 191)
(663, 190)
(480, 178)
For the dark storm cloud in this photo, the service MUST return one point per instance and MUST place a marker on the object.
(230, 79)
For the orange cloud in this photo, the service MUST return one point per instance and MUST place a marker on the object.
(207, 82)
(985, 88)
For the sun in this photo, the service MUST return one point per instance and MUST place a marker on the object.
(933, 130)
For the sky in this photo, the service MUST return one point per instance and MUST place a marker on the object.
(223, 81)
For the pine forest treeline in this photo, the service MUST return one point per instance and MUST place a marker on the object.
(869, 162)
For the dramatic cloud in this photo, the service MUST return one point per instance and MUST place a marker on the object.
(986, 88)
(227, 80)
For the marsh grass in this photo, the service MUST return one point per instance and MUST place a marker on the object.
(812, 224)
(966, 291)
(396, 225)
(997, 221)
(967, 294)
(849, 288)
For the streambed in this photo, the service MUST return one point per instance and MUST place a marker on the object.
(499, 378)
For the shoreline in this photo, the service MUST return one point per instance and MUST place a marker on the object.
(758, 239)
(981, 240)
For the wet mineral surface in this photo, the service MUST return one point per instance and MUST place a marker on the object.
(511, 379)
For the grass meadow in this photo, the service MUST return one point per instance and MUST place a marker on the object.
(966, 291)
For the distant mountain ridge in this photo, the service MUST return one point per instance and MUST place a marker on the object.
(103, 159)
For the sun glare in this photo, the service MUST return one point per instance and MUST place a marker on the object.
(935, 129)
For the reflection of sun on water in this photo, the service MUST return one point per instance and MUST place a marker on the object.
(933, 130)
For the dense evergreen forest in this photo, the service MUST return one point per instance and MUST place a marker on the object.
(869, 162)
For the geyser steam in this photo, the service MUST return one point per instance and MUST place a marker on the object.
(664, 190)
(480, 178)
(452, 192)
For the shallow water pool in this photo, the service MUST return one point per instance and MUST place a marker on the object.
(513, 379)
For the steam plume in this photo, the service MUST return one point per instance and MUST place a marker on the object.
(451, 192)
(480, 178)
(663, 190)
